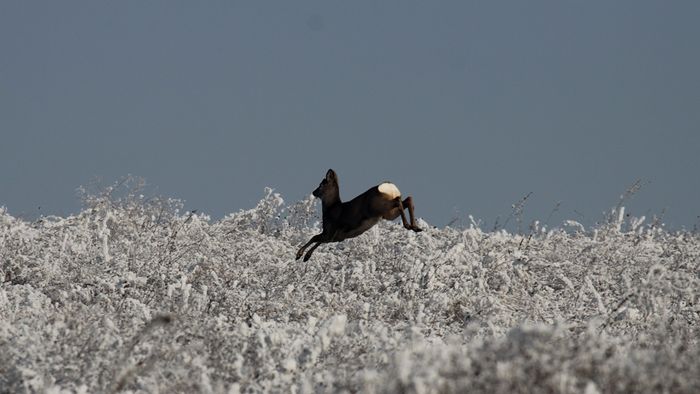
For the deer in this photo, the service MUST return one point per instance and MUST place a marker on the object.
(343, 220)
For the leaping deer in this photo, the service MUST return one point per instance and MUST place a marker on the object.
(343, 220)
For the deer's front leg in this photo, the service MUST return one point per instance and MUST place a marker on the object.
(315, 238)
(308, 254)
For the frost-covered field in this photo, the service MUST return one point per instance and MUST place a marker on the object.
(132, 295)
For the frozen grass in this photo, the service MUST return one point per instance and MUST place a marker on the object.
(133, 295)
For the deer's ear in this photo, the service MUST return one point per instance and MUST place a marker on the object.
(330, 175)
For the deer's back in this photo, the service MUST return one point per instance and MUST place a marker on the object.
(356, 216)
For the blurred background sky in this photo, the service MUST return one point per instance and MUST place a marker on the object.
(467, 106)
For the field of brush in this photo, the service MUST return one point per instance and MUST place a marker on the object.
(133, 295)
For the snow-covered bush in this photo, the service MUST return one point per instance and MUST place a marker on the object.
(132, 294)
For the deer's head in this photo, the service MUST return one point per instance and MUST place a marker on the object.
(327, 190)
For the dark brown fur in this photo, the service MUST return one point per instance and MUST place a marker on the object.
(343, 220)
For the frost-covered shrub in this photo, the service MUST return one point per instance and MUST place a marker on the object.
(132, 294)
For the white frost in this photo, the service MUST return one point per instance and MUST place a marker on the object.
(138, 294)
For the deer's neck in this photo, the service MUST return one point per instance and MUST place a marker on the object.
(331, 201)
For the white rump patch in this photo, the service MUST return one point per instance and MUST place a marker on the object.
(390, 190)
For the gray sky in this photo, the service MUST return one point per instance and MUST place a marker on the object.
(465, 105)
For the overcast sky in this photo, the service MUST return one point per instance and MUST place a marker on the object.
(466, 105)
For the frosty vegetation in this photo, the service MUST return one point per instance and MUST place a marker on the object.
(133, 295)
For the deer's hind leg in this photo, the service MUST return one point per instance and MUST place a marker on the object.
(397, 211)
(408, 203)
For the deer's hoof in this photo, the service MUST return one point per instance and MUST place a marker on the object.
(307, 257)
(299, 254)
(416, 229)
